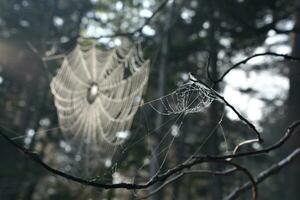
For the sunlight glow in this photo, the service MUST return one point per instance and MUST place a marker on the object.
(145, 13)
(265, 85)
(147, 30)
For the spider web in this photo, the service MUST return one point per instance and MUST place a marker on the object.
(94, 96)
(97, 94)
(79, 156)
(84, 149)
(188, 98)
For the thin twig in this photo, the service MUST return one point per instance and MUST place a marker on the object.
(137, 30)
(209, 76)
(53, 57)
(290, 131)
(285, 56)
(250, 125)
(236, 167)
(264, 174)
(159, 178)
(181, 174)
(237, 147)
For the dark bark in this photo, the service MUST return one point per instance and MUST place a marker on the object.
(155, 158)
(214, 111)
(294, 110)
(25, 73)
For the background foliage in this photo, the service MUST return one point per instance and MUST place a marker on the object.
(178, 40)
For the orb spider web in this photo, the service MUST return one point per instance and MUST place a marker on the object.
(97, 93)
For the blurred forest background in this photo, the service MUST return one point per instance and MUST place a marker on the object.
(178, 40)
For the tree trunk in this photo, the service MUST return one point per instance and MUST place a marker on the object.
(294, 111)
(155, 158)
(214, 111)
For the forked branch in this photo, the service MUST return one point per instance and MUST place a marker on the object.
(161, 178)
(238, 64)
(173, 174)
(276, 168)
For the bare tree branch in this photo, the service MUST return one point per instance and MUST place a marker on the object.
(159, 178)
(250, 125)
(284, 56)
(264, 175)
(288, 134)
(137, 30)
(181, 174)
(175, 173)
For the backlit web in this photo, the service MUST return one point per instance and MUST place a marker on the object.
(102, 118)
(188, 98)
(94, 96)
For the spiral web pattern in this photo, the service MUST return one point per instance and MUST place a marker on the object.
(97, 93)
